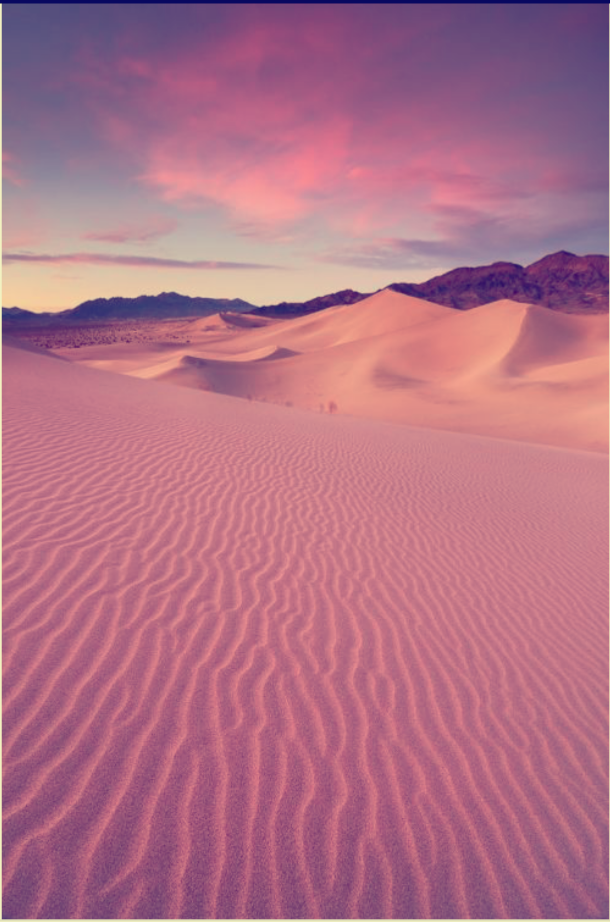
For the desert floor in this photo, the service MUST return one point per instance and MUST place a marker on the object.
(270, 662)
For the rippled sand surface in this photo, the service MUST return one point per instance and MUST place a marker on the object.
(266, 663)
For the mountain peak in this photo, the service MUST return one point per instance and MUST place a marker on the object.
(556, 259)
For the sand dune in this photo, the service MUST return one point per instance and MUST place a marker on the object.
(229, 319)
(384, 312)
(17, 343)
(263, 663)
(397, 358)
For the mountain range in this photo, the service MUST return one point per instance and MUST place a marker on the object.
(561, 282)
(145, 307)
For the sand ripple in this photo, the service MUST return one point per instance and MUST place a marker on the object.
(261, 663)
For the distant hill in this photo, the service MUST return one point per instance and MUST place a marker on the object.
(297, 309)
(562, 282)
(145, 307)
(18, 314)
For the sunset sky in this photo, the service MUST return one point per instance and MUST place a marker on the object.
(280, 152)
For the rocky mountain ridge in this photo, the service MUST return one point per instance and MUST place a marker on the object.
(561, 282)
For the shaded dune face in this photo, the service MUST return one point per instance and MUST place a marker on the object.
(262, 663)
(550, 339)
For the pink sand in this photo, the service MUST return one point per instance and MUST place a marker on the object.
(509, 370)
(264, 663)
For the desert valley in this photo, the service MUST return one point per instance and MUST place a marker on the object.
(306, 617)
(305, 461)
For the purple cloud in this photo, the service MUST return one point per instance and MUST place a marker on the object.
(101, 259)
(392, 253)
(10, 169)
(139, 233)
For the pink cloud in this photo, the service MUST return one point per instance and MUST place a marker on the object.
(100, 259)
(141, 233)
(261, 231)
(22, 238)
(571, 181)
(377, 198)
(10, 169)
(246, 124)
(23, 223)
(280, 184)
(366, 122)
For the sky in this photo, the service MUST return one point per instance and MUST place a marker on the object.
(277, 152)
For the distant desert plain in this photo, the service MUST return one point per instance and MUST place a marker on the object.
(307, 618)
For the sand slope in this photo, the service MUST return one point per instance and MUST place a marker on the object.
(506, 369)
(265, 663)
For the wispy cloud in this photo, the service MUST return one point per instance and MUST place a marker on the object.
(392, 253)
(570, 181)
(25, 226)
(10, 169)
(458, 233)
(135, 233)
(469, 236)
(102, 259)
(22, 238)
(257, 230)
